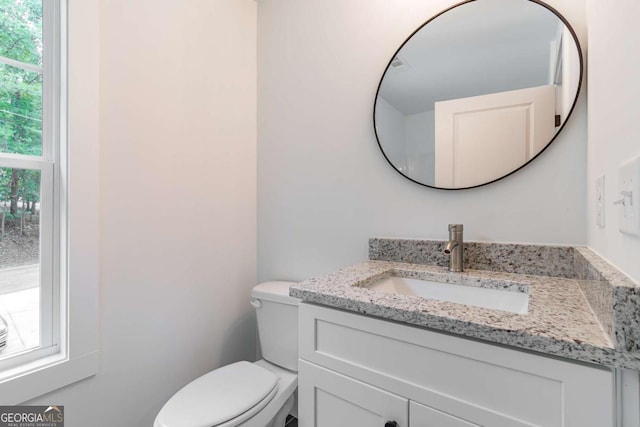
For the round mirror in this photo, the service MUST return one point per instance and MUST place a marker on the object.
(477, 92)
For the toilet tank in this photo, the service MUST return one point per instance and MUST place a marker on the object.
(277, 315)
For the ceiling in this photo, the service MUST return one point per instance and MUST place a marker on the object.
(481, 47)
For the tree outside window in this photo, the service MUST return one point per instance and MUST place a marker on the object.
(22, 159)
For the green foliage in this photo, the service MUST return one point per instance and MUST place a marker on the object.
(20, 95)
(20, 111)
(21, 30)
(19, 185)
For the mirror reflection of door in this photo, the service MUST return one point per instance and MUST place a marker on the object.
(480, 50)
(483, 137)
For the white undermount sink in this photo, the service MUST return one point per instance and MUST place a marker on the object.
(497, 299)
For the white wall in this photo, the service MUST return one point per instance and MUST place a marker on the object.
(323, 186)
(178, 201)
(614, 134)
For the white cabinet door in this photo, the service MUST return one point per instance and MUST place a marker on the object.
(329, 399)
(424, 416)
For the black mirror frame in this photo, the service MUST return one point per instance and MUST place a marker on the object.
(575, 100)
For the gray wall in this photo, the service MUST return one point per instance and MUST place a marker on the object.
(614, 134)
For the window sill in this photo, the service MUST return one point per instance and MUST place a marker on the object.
(45, 375)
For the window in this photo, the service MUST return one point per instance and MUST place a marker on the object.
(29, 173)
(48, 241)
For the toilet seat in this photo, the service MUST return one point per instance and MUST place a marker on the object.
(226, 396)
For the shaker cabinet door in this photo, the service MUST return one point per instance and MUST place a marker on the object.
(329, 399)
(421, 416)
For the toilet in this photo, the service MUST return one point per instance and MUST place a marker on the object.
(259, 394)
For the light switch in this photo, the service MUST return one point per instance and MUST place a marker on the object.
(600, 201)
(628, 197)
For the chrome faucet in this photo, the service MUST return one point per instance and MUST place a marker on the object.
(455, 248)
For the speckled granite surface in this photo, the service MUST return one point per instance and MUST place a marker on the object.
(589, 313)
(539, 260)
(597, 291)
(614, 298)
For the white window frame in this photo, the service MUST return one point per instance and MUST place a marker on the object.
(74, 255)
(51, 208)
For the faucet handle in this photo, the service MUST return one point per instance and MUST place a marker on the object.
(456, 227)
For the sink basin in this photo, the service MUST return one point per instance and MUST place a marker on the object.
(497, 299)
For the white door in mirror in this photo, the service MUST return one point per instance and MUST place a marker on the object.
(483, 137)
(628, 200)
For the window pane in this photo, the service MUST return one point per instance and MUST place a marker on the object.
(21, 30)
(19, 260)
(20, 111)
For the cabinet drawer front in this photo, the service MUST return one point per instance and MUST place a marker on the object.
(496, 386)
(423, 416)
(328, 399)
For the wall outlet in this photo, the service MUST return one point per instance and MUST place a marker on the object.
(628, 197)
(600, 201)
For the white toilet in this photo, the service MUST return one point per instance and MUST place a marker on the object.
(245, 394)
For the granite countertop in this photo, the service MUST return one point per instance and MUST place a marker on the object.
(560, 320)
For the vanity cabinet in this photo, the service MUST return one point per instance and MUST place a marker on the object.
(339, 400)
(357, 370)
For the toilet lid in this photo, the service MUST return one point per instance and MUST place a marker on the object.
(218, 396)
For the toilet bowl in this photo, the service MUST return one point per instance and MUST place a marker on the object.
(244, 394)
